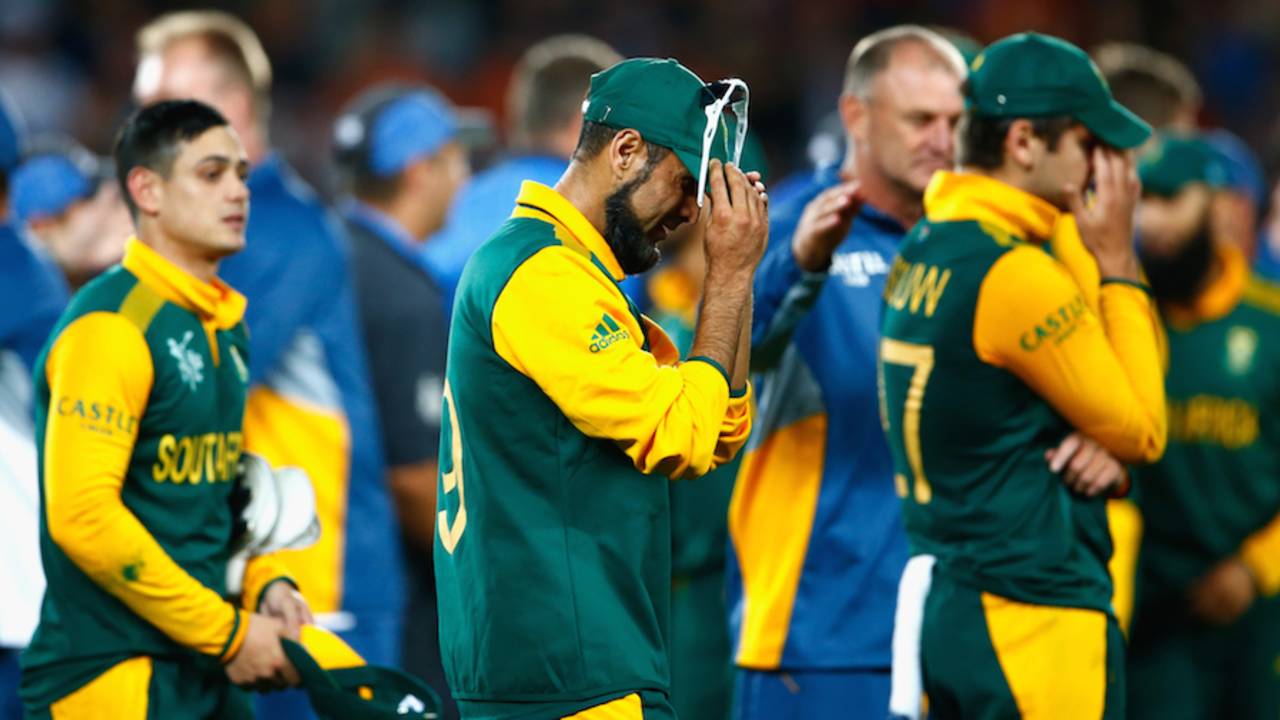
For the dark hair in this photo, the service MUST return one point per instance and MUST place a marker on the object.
(151, 136)
(981, 137)
(595, 137)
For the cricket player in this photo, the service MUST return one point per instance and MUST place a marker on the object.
(1206, 630)
(990, 354)
(310, 403)
(818, 544)
(567, 411)
(140, 402)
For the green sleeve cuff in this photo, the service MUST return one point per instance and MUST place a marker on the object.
(235, 628)
(283, 578)
(720, 368)
(740, 392)
(1122, 281)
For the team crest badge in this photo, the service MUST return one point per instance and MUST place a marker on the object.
(190, 364)
(1242, 343)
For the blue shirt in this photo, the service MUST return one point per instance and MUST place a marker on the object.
(33, 293)
(817, 462)
(481, 206)
(312, 405)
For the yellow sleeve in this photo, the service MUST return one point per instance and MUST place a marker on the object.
(1261, 553)
(99, 372)
(260, 573)
(567, 328)
(736, 427)
(1104, 376)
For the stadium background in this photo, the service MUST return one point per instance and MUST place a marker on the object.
(69, 64)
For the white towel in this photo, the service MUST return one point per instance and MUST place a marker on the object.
(907, 687)
(21, 577)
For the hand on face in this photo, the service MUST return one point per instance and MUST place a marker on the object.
(1106, 223)
(738, 222)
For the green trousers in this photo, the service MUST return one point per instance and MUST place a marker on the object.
(985, 657)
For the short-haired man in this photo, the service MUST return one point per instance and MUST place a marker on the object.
(140, 399)
(401, 162)
(544, 112)
(566, 411)
(310, 405)
(991, 353)
(816, 528)
(1206, 627)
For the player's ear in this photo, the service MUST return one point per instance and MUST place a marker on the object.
(146, 187)
(627, 154)
(854, 116)
(1021, 146)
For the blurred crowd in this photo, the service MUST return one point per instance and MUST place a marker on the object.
(390, 138)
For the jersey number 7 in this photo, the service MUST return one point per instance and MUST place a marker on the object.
(919, 357)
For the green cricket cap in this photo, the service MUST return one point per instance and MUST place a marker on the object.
(366, 692)
(664, 101)
(1032, 75)
(1177, 161)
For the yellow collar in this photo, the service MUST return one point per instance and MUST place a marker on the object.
(963, 196)
(216, 302)
(1221, 295)
(540, 197)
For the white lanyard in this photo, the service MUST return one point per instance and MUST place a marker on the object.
(714, 112)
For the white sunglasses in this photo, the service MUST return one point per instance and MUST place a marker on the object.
(714, 111)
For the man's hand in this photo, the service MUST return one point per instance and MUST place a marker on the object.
(1223, 594)
(824, 224)
(261, 664)
(738, 227)
(284, 603)
(1106, 224)
(1086, 467)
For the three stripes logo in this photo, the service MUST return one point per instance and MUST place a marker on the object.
(607, 333)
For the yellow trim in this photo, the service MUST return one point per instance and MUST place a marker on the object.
(770, 521)
(1126, 537)
(624, 708)
(1224, 293)
(1053, 658)
(1263, 294)
(952, 197)
(215, 301)
(121, 693)
(547, 200)
(140, 306)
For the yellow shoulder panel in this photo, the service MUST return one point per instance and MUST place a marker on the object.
(1263, 294)
(140, 306)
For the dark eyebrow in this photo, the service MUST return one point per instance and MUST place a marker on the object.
(225, 160)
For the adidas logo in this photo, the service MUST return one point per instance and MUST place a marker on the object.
(607, 333)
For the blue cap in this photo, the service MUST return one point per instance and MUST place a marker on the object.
(385, 130)
(47, 184)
